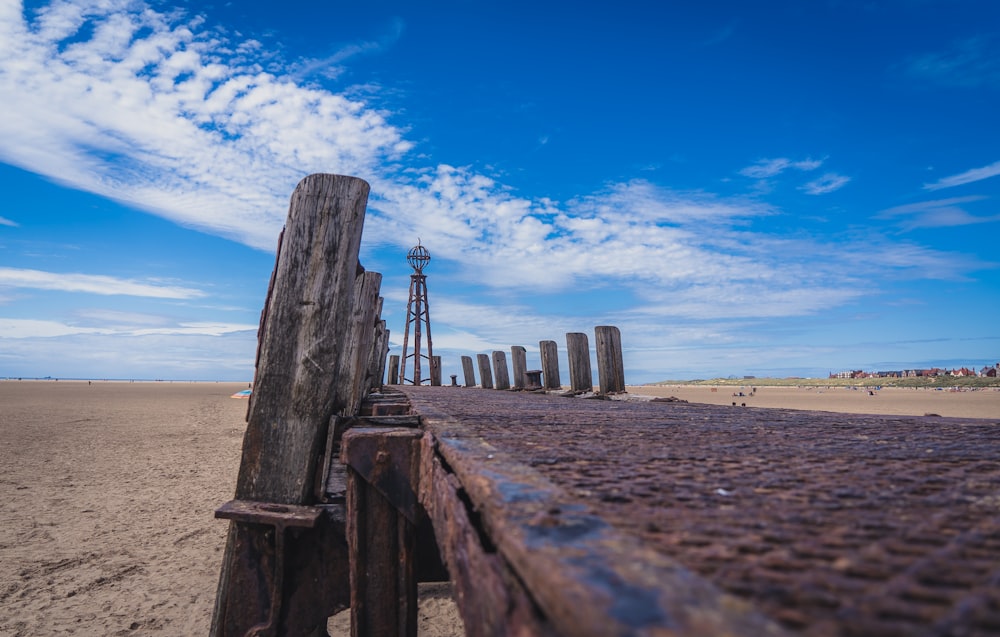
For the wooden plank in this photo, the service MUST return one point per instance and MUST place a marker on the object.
(468, 371)
(581, 377)
(297, 388)
(435, 371)
(485, 373)
(393, 369)
(298, 384)
(610, 368)
(356, 362)
(519, 363)
(550, 364)
(500, 367)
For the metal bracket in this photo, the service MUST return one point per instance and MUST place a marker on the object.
(388, 459)
(280, 516)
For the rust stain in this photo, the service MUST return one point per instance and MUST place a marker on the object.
(831, 524)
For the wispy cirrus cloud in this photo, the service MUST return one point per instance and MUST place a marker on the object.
(939, 213)
(825, 184)
(333, 66)
(93, 284)
(7, 222)
(765, 168)
(969, 63)
(967, 177)
(37, 328)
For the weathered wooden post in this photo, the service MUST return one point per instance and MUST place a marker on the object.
(519, 362)
(550, 364)
(379, 351)
(435, 371)
(298, 387)
(610, 368)
(581, 378)
(500, 369)
(468, 372)
(485, 374)
(394, 369)
(356, 361)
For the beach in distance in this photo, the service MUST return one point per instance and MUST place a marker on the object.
(108, 492)
(893, 401)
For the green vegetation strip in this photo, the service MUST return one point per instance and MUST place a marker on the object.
(967, 382)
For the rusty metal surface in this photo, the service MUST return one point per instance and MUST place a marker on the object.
(831, 524)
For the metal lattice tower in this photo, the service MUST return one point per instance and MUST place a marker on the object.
(417, 314)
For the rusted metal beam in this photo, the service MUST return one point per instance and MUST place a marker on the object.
(386, 458)
(383, 514)
(490, 598)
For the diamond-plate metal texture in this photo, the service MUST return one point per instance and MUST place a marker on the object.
(832, 524)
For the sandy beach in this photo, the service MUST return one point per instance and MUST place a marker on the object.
(894, 401)
(108, 489)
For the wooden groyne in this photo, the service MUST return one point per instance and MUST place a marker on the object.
(553, 515)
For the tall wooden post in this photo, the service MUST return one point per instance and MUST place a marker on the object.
(550, 364)
(581, 378)
(298, 387)
(356, 363)
(485, 374)
(500, 369)
(418, 314)
(610, 368)
(436, 371)
(393, 369)
(519, 363)
(468, 371)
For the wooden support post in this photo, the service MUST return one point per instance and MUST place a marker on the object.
(298, 386)
(394, 369)
(382, 517)
(610, 369)
(550, 365)
(485, 373)
(581, 379)
(468, 372)
(519, 362)
(500, 370)
(436, 371)
(379, 351)
(356, 361)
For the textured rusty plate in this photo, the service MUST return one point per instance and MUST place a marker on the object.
(831, 524)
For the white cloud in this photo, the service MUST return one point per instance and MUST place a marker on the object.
(155, 111)
(7, 222)
(967, 177)
(826, 184)
(98, 354)
(197, 328)
(936, 214)
(765, 168)
(34, 328)
(968, 63)
(92, 284)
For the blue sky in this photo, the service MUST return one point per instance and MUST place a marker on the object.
(781, 188)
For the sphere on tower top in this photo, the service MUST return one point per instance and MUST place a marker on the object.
(417, 257)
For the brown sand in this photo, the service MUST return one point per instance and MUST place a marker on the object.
(107, 500)
(981, 403)
(107, 494)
